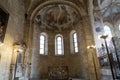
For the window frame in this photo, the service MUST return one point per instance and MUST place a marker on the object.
(75, 42)
(119, 26)
(56, 45)
(45, 44)
(72, 48)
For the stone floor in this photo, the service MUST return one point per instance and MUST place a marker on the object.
(106, 77)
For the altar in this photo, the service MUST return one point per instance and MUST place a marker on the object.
(58, 73)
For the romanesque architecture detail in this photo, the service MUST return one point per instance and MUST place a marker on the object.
(59, 39)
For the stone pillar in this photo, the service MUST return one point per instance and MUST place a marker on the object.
(12, 66)
(89, 40)
(29, 41)
(26, 39)
(34, 55)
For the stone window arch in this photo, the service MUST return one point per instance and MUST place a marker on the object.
(43, 44)
(59, 46)
(119, 26)
(107, 31)
(73, 42)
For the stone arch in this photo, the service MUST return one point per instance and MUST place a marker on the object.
(110, 26)
(117, 27)
(62, 40)
(46, 42)
(79, 9)
(117, 24)
(71, 40)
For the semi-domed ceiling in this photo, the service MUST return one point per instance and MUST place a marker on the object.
(57, 17)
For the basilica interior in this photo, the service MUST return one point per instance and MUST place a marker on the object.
(59, 39)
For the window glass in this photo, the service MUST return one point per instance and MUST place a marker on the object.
(42, 44)
(75, 43)
(108, 32)
(59, 45)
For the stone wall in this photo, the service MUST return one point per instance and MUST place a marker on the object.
(40, 63)
(14, 32)
(77, 63)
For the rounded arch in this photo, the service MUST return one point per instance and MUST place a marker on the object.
(45, 36)
(108, 29)
(117, 28)
(110, 26)
(72, 41)
(117, 25)
(60, 51)
(73, 31)
(80, 10)
(58, 35)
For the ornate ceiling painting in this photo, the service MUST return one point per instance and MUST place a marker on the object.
(57, 17)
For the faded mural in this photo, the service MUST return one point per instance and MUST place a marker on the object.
(57, 17)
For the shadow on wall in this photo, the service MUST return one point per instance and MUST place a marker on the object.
(3, 24)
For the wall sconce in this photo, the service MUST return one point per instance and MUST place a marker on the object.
(91, 46)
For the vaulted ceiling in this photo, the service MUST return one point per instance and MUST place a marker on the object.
(56, 14)
(57, 17)
(32, 4)
(110, 8)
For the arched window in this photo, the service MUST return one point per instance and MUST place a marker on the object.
(108, 32)
(59, 50)
(119, 26)
(43, 44)
(73, 42)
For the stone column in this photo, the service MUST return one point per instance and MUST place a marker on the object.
(28, 40)
(12, 65)
(89, 40)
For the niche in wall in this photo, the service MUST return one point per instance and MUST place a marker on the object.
(3, 24)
